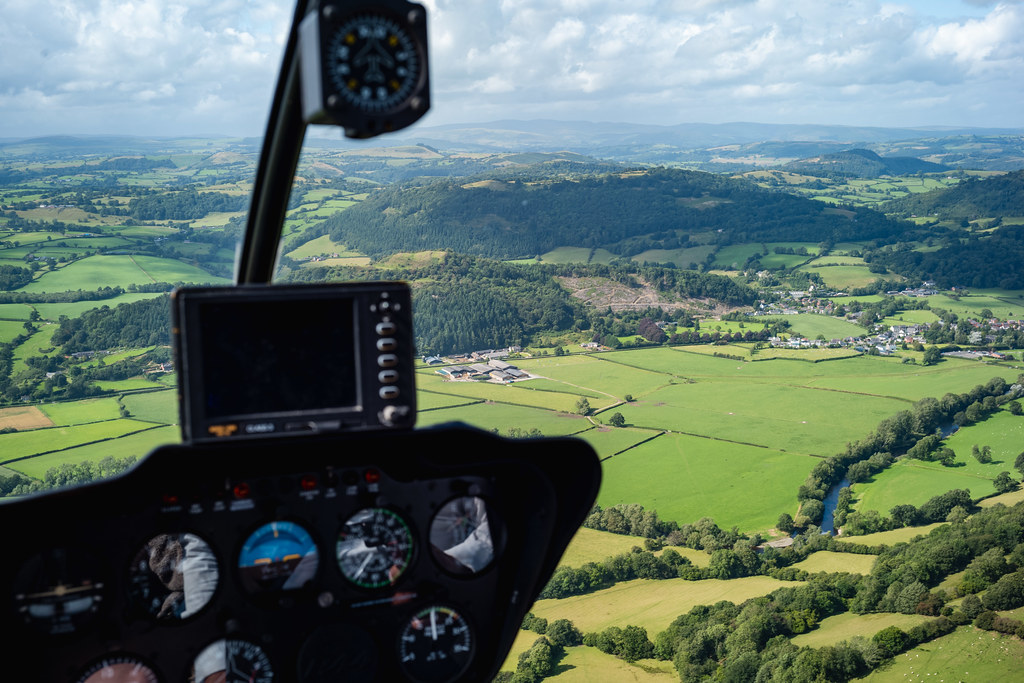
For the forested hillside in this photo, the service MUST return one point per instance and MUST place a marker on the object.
(501, 217)
(463, 302)
(993, 261)
(1001, 195)
(862, 163)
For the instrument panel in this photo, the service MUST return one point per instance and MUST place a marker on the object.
(375, 556)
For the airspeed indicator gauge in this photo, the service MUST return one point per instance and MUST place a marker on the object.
(364, 68)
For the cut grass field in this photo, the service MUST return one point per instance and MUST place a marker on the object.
(836, 563)
(136, 444)
(968, 654)
(28, 444)
(810, 325)
(505, 417)
(914, 482)
(591, 545)
(844, 626)
(82, 412)
(892, 537)
(685, 478)
(101, 270)
(155, 406)
(651, 604)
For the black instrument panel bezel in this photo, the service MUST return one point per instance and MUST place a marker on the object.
(540, 489)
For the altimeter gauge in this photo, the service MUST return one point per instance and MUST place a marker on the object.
(364, 67)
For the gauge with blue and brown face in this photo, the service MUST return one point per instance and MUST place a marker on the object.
(278, 556)
(375, 547)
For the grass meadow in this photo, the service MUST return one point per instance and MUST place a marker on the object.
(56, 439)
(912, 482)
(154, 406)
(137, 443)
(82, 412)
(685, 478)
(844, 626)
(836, 563)
(651, 604)
(98, 271)
(968, 654)
(892, 537)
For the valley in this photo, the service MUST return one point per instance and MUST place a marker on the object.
(731, 345)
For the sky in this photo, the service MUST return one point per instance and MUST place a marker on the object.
(208, 67)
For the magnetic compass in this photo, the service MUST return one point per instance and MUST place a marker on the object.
(365, 68)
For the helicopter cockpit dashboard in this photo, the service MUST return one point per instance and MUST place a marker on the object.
(304, 531)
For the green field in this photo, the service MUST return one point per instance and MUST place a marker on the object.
(136, 444)
(968, 654)
(685, 478)
(914, 482)
(31, 443)
(98, 271)
(844, 626)
(892, 537)
(837, 563)
(504, 417)
(811, 325)
(81, 412)
(155, 406)
(651, 604)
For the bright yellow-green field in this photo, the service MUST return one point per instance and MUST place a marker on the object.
(591, 545)
(833, 562)
(844, 626)
(891, 537)
(651, 604)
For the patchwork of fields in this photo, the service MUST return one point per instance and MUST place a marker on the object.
(716, 437)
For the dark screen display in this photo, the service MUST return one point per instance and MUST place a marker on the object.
(277, 356)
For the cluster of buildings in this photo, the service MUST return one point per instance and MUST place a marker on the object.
(481, 366)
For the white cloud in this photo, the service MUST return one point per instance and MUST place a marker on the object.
(190, 66)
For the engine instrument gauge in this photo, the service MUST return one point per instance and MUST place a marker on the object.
(436, 645)
(374, 548)
(173, 576)
(119, 669)
(278, 556)
(365, 68)
(59, 591)
(232, 661)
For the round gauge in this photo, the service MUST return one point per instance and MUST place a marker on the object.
(173, 576)
(232, 661)
(436, 645)
(278, 556)
(373, 63)
(374, 548)
(460, 536)
(118, 669)
(58, 591)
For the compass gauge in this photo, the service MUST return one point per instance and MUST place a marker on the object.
(365, 68)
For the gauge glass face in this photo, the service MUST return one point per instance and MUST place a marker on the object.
(373, 63)
(119, 669)
(59, 591)
(374, 548)
(460, 536)
(173, 576)
(435, 645)
(232, 661)
(278, 556)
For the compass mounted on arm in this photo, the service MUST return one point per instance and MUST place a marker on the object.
(364, 66)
